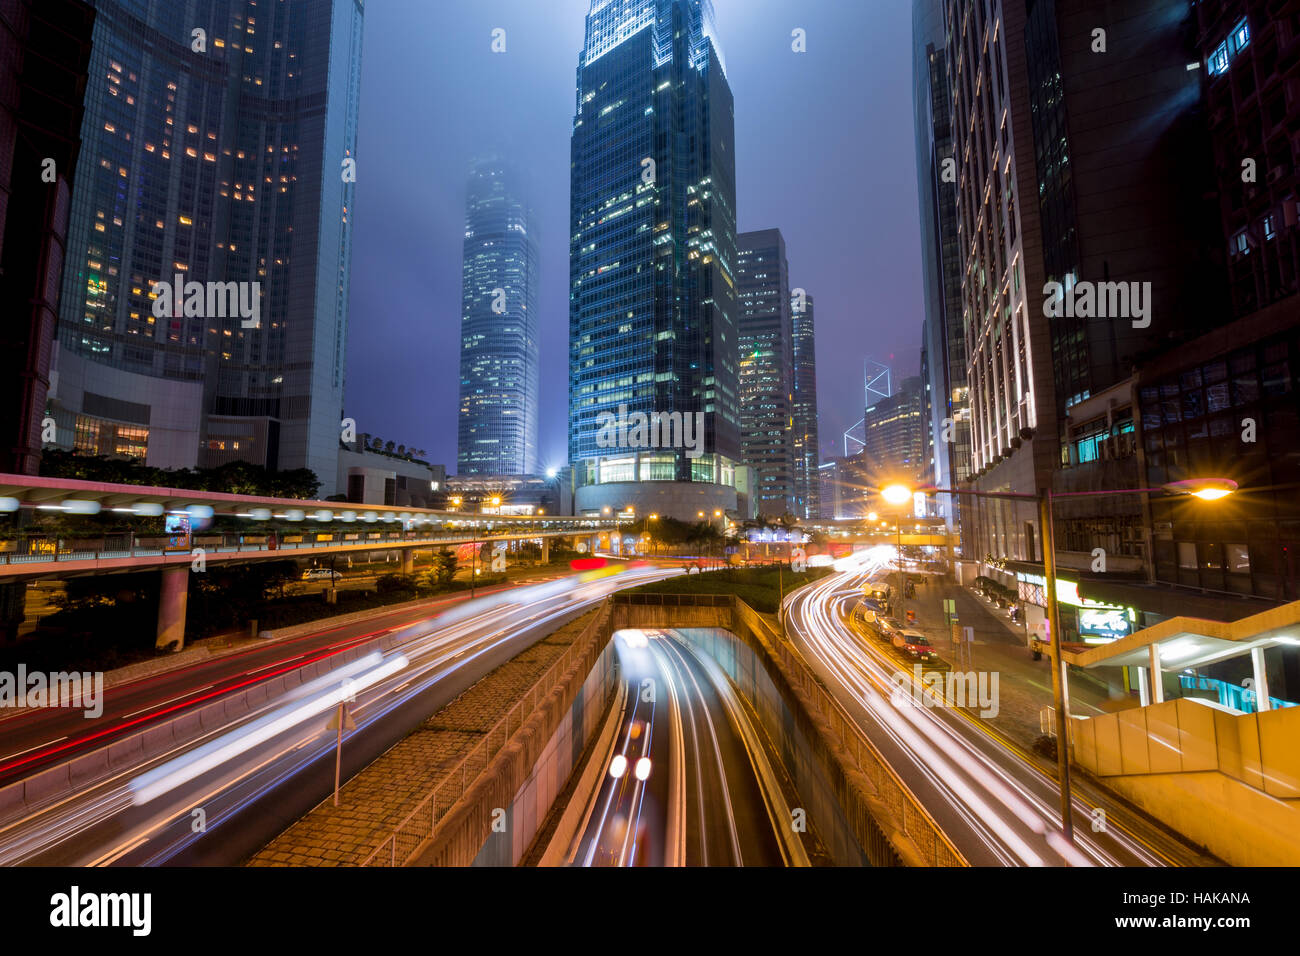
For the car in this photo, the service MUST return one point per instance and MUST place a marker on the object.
(887, 627)
(914, 645)
(321, 574)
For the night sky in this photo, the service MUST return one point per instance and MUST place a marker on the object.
(824, 152)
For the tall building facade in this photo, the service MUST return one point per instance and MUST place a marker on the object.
(943, 343)
(219, 147)
(1086, 170)
(767, 369)
(894, 437)
(806, 454)
(499, 373)
(44, 56)
(1228, 403)
(653, 408)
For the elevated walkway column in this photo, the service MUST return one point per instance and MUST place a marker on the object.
(408, 560)
(546, 551)
(1157, 681)
(1262, 703)
(173, 597)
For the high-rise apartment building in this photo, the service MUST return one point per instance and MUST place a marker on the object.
(806, 453)
(218, 160)
(499, 373)
(767, 369)
(653, 408)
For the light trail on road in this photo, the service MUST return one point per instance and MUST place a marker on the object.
(110, 822)
(711, 798)
(994, 805)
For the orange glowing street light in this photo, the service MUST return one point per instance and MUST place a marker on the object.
(1207, 489)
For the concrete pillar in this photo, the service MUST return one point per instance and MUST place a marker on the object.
(408, 560)
(1144, 690)
(1261, 679)
(173, 597)
(546, 551)
(1157, 682)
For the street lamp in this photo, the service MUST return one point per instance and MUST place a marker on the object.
(1207, 489)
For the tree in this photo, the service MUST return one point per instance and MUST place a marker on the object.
(444, 567)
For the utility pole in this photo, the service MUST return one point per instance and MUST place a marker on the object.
(343, 721)
(1058, 660)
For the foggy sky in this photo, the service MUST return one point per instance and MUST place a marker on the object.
(824, 148)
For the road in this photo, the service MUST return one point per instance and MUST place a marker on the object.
(994, 803)
(37, 738)
(254, 777)
(689, 781)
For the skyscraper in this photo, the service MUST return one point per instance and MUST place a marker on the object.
(219, 146)
(767, 369)
(807, 457)
(943, 344)
(497, 432)
(894, 437)
(1080, 175)
(653, 412)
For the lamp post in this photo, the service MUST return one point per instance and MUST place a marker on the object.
(1207, 489)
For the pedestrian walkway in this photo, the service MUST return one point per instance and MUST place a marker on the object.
(1024, 684)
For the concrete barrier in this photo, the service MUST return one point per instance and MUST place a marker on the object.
(865, 814)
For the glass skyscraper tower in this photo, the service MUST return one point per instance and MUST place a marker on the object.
(652, 309)
(219, 145)
(497, 432)
(807, 454)
(767, 369)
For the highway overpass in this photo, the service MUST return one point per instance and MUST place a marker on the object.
(276, 528)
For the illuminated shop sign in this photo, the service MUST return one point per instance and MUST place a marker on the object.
(1098, 623)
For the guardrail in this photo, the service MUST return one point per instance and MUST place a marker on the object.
(402, 845)
(51, 551)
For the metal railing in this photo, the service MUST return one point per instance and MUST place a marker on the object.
(405, 840)
(29, 551)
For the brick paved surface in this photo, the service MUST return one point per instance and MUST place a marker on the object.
(373, 802)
